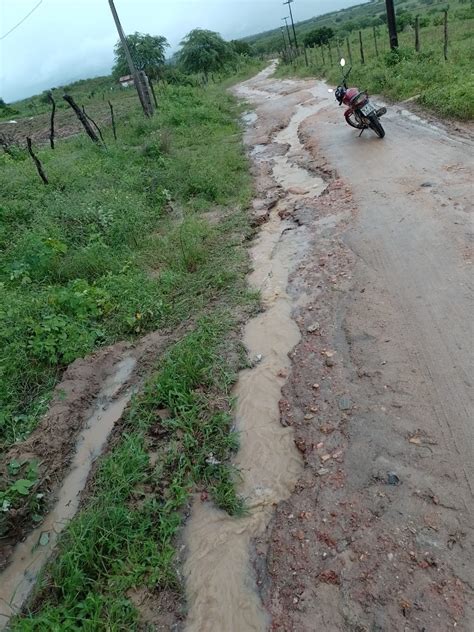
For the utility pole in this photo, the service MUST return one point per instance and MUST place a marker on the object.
(288, 2)
(133, 71)
(392, 24)
(287, 31)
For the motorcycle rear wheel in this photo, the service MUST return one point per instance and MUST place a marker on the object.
(376, 126)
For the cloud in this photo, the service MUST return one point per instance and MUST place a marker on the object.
(66, 40)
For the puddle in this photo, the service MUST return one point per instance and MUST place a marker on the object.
(285, 171)
(249, 117)
(29, 556)
(219, 579)
(220, 583)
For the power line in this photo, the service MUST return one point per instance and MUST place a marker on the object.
(21, 21)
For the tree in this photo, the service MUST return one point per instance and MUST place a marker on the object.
(318, 37)
(204, 51)
(241, 48)
(147, 51)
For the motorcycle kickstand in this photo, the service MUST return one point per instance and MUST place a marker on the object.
(362, 131)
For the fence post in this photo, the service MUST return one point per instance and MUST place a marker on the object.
(36, 160)
(417, 33)
(362, 58)
(306, 56)
(375, 41)
(338, 45)
(112, 117)
(51, 124)
(446, 34)
(349, 51)
(330, 53)
(83, 119)
(322, 55)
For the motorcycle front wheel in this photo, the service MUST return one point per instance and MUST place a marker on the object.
(376, 126)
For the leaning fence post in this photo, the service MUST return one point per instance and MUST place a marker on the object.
(89, 118)
(362, 58)
(83, 119)
(446, 34)
(36, 160)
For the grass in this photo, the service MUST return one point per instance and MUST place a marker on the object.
(98, 255)
(125, 536)
(120, 243)
(443, 87)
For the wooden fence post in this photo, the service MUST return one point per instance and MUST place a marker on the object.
(375, 42)
(83, 119)
(338, 45)
(330, 53)
(53, 112)
(113, 120)
(322, 55)
(152, 88)
(417, 33)
(349, 51)
(36, 160)
(305, 56)
(362, 58)
(446, 34)
(89, 118)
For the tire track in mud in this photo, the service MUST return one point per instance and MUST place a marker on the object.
(87, 403)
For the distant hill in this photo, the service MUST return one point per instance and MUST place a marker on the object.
(356, 17)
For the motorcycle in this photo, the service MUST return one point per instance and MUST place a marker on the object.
(361, 113)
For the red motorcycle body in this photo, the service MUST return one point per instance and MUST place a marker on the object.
(361, 113)
(354, 99)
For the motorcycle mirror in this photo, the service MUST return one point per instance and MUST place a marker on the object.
(343, 62)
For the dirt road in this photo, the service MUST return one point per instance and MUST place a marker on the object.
(376, 239)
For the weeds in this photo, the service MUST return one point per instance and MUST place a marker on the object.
(125, 536)
(120, 246)
(77, 257)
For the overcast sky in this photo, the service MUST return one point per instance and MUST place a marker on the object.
(65, 40)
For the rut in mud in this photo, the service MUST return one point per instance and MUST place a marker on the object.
(268, 460)
(375, 532)
(87, 404)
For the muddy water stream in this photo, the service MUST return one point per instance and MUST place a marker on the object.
(29, 556)
(221, 591)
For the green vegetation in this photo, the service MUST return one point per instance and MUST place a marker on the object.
(204, 52)
(124, 538)
(445, 87)
(147, 234)
(147, 51)
(98, 255)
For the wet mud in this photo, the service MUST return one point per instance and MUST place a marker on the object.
(375, 532)
(87, 404)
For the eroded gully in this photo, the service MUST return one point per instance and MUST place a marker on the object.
(220, 583)
(29, 556)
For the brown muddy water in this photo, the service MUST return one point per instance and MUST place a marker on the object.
(29, 557)
(220, 584)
